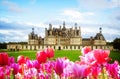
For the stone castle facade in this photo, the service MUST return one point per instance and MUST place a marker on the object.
(61, 38)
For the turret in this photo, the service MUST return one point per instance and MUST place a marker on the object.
(64, 24)
(64, 28)
(32, 30)
(75, 24)
(100, 30)
(50, 26)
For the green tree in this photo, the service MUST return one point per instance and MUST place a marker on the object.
(3, 45)
(116, 43)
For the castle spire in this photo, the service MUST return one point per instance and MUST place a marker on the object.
(75, 24)
(63, 24)
(100, 30)
(50, 26)
(33, 30)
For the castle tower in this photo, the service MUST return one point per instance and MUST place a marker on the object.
(75, 24)
(46, 33)
(100, 30)
(79, 31)
(50, 26)
(64, 24)
(64, 28)
(32, 30)
(75, 29)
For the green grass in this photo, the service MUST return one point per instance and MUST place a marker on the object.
(30, 54)
(73, 55)
(115, 55)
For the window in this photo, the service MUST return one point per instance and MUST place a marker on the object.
(70, 47)
(74, 47)
(66, 47)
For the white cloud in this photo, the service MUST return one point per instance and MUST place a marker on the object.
(99, 4)
(13, 7)
(5, 20)
(74, 15)
(14, 35)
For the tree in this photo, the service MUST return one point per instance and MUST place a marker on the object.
(3, 45)
(116, 43)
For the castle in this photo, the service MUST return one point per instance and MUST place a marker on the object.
(61, 38)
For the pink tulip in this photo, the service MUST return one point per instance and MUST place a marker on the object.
(5, 72)
(11, 60)
(29, 63)
(20, 69)
(88, 59)
(49, 52)
(113, 70)
(101, 56)
(21, 59)
(15, 68)
(49, 66)
(4, 59)
(30, 73)
(59, 65)
(85, 50)
(36, 64)
(41, 57)
(95, 71)
(80, 71)
(1, 73)
(67, 71)
(26, 59)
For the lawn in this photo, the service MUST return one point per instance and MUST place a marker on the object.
(73, 55)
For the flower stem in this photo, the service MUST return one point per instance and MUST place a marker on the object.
(103, 75)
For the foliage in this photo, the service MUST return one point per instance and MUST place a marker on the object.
(17, 43)
(3, 45)
(116, 43)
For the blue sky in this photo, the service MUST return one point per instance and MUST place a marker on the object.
(17, 17)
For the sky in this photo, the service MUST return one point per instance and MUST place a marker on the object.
(18, 17)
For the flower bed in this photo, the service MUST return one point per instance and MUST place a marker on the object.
(93, 65)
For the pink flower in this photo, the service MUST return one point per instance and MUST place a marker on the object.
(95, 70)
(67, 71)
(36, 64)
(80, 71)
(15, 68)
(30, 73)
(11, 60)
(21, 59)
(41, 57)
(49, 52)
(5, 72)
(88, 59)
(1, 73)
(4, 59)
(85, 50)
(101, 56)
(29, 63)
(113, 69)
(20, 69)
(59, 66)
(49, 66)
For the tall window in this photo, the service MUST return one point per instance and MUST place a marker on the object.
(74, 47)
